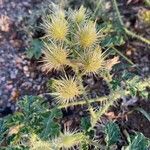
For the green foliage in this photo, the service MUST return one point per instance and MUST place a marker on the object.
(2, 130)
(115, 38)
(112, 133)
(35, 50)
(139, 142)
(112, 40)
(50, 127)
(85, 123)
(32, 117)
(147, 2)
(136, 85)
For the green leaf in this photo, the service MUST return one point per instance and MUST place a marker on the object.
(36, 49)
(56, 113)
(32, 104)
(137, 85)
(115, 83)
(2, 130)
(85, 123)
(112, 40)
(50, 128)
(138, 143)
(112, 133)
(84, 146)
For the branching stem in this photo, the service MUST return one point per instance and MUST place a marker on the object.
(83, 102)
(98, 100)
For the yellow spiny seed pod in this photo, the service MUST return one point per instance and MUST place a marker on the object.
(68, 140)
(87, 35)
(67, 90)
(145, 16)
(56, 26)
(79, 15)
(93, 61)
(38, 144)
(55, 57)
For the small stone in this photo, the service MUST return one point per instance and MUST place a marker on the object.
(12, 75)
(3, 78)
(18, 60)
(16, 43)
(9, 81)
(1, 60)
(12, 107)
(26, 4)
(9, 104)
(19, 66)
(34, 86)
(25, 68)
(27, 74)
(9, 87)
(27, 84)
(13, 4)
(24, 62)
(31, 80)
(145, 69)
(38, 87)
(81, 113)
(14, 94)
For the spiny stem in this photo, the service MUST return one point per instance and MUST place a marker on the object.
(132, 34)
(85, 96)
(101, 99)
(118, 94)
(114, 97)
(128, 32)
(118, 12)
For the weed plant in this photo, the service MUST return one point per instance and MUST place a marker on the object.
(73, 40)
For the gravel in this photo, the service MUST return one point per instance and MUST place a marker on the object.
(18, 76)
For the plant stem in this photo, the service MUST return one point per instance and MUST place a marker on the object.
(112, 98)
(118, 12)
(97, 7)
(96, 145)
(127, 59)
(132, 34)
(100, 100)
(118, 94)
(128, 32)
